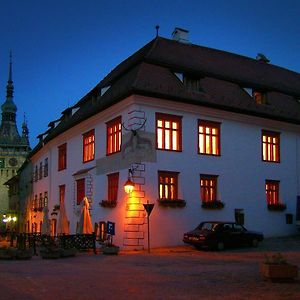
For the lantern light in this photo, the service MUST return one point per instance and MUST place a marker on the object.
(129, 184)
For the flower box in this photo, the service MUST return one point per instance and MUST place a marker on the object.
(107, 203)
(279, 272)
(213, 204)
(171, 202)
(277, 207)
(110, 250)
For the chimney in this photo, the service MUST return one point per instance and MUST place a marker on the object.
(262, 57)
(181, 35)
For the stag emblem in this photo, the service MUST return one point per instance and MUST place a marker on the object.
(136, 142)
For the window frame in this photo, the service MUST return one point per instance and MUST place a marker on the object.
(172, 119)
(211, 125)
(213, 188)
(112, 187)
(265, 146)
(272, 188)
(88, 146)
(80, 190)
(62, 157)
(114, 138)
(164, 175)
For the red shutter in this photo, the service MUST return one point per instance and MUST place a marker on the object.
(80, 190)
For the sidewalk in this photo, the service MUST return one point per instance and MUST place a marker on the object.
(166, 273)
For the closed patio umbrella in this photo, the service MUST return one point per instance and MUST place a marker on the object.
(46, 223)
(85, 223)
(63, 223)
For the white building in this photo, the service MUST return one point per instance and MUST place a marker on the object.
(208, 135)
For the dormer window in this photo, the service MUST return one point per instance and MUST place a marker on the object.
(259, 97)
(192, 83)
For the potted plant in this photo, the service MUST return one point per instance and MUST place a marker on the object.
(276, 268)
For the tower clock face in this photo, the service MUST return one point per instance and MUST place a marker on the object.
(13, 162)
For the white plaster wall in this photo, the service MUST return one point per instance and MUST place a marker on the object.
(241, 181)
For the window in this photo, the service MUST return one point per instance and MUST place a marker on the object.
(40, 201)
(41, 171)
(192, 83)
(89, 146)
(113, 136)
(168, 185)
(2, 163)
(209, 138)
(270, 146)
(62, 193)
(113, 183)
(208, 188)
(80, 188)
(46, 167)
(259, 97)
(62, 157)
(45, 199)
(168, 132)
(272, 192)
(35, 202)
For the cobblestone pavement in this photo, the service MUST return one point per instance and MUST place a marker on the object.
(167, 273)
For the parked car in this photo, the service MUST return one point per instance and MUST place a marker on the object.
(220, 235)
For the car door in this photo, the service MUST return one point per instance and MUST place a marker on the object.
(226, 234)
(238, 235)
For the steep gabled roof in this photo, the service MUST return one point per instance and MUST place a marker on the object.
(151, 72)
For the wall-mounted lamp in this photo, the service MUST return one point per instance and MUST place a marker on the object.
(129, 184)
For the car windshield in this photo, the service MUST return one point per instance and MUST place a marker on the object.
(208, 226)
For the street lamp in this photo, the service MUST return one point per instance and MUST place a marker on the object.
(129, 184)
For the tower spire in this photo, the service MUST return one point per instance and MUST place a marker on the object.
(10, 86)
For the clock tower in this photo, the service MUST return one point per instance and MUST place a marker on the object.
(13, 147)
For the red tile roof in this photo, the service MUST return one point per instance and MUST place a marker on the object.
(151, 71)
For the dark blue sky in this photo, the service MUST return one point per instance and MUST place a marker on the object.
(63, 48)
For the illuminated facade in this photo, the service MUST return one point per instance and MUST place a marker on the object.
(199, 144)
(13, 150)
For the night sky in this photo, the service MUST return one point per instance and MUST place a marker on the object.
(63, 48)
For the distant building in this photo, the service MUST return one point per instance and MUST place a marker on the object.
(205, 135)
(14, 148)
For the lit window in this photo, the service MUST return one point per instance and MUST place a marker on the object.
(272, 192)
(168, 132)
(209, 137)
(45, 199)
(270, 146)
(113, 184)
(168, 185)
(62, 157)
(35, 202)
(259, 97)
(80, 188)
(114, 136)
(89, 146)
(62, 192)
(208, 187)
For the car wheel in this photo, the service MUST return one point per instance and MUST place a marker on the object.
(254, 243)
(220, 246)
